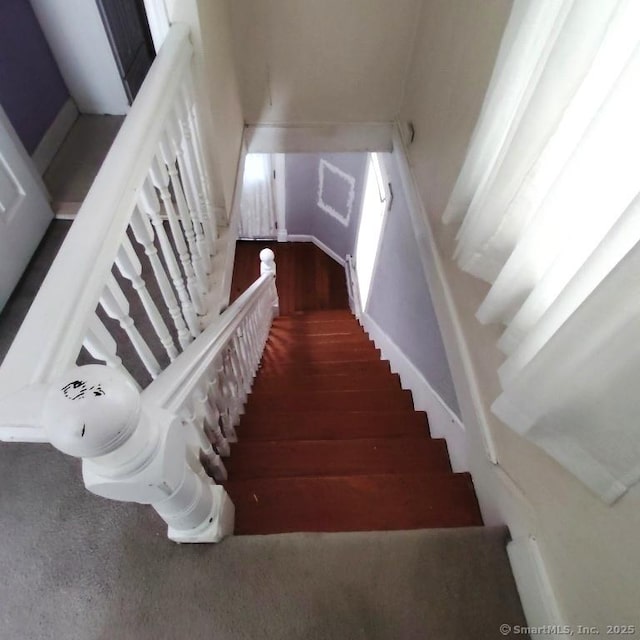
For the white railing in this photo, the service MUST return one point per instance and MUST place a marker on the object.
(144, 238)
(353, 289)
(148, 217)
(162, 446)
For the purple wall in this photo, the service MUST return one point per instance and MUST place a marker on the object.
(32, 90)
(399, 300)
(305, 217)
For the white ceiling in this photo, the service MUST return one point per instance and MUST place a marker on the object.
(313, 61)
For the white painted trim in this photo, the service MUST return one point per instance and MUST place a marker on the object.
(443, 423)
(342, 218)
(461, 364)
(158, 21)
(534, 587)
(298, 237)
(320, 138)
(538, 598)
(55, 135)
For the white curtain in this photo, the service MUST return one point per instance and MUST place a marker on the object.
(548, 203)
(257, 206)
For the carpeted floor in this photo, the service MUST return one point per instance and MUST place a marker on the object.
(77, 567)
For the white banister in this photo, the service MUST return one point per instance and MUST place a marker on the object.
(208, 383)
(133, 452)
(139, 171)
(55, 327)
(116, 305)
(129, 266)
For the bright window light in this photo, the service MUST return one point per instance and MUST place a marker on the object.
(374, 207)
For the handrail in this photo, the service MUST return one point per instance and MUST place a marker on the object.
(171, 387)
(208, 384)
(53, 330)
(157, 447)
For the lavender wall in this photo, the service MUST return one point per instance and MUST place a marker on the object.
(399, 300)
(341, 172)
(32, 90)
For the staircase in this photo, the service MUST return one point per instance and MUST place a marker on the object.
(330, 441)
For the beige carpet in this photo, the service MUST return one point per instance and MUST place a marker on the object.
(77, 567)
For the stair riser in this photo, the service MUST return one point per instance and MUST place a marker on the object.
(301, 400)
(336, 504)
(327, 425)
(328, 340)
(326, 382)
(319, 353)
(331, 458)
(350, 368)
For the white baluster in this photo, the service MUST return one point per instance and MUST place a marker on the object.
(243, 362)
(102, 346)
(191, 164)
(133, 452)
(194, 139)
(143, 232)
(175, 131)
(130, 267)
(211, 418)
(160, 178)
(169, 153)
(191, 99)
(222, 398)
(116, 305)
(210, 460)
(149, 204)
(238, 377)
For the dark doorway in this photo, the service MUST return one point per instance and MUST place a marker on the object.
(128, 30)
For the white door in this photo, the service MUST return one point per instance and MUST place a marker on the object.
(25, 213)
(258, 214)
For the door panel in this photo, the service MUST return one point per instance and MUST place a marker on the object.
(25, 213)
(126, 25)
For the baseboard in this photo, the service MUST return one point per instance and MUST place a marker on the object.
(442, 421)
(298, 237)
(55, 135)
(460, 363)
(536, 594)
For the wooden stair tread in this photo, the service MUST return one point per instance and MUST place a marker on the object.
(312, 357)
(329, 441)
(326, 380)
(330, 400)
(354, 503)
(336, 457)
(347, 367)
(331, 424)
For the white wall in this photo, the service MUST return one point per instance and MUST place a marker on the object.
(217, 85)
(322, 61)
(591, 551)
(78, 41)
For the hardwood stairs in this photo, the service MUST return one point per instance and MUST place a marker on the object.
(331, 442)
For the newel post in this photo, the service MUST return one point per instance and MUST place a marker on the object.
(133, 452)
(268, 266)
